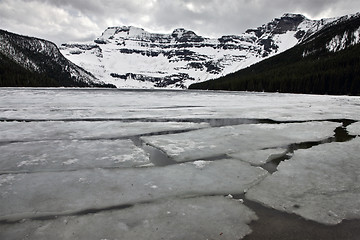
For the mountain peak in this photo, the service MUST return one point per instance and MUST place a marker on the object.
(181, 31)
(293, 15)
(128, 29)
(287, 22)
(183, 35)
(120, 31)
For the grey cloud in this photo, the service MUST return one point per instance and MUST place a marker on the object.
(79, 5)
(84, 19)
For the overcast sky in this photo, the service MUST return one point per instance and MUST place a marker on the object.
(63, 21)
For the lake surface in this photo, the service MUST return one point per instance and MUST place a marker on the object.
(161, 164)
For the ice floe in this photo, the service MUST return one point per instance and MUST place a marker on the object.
(354, 129)
(321, 183)
(60, 130)
(194, 218)
(70, 155)
(211, 142)
(259, 157)
(38, 194)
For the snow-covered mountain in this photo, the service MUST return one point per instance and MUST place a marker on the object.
(42, 58)
(349, 37)
(324, 62)
(132, 57)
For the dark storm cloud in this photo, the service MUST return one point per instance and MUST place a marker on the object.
(75, 20)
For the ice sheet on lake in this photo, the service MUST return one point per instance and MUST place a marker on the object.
(241, 138)
(35, 131)
(36, 194)
(321, 183)
(70, 155)
(354, 129)
(259, 157)
(48, 104)
(194, 218)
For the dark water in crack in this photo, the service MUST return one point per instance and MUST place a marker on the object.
(156, 156)
(160, 158)
(271, 166)
(340, 135)
(277, 225)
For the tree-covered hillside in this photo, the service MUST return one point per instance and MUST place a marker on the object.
(31, 62)
(14, 75)
(326, 63)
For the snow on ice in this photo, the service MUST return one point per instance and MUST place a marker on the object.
(70, 155)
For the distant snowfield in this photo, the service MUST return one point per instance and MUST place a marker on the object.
(153, 164)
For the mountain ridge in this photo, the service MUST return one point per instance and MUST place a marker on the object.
(326, 62)
(128, 56)
(41, 62)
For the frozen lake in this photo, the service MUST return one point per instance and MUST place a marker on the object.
(157, 164)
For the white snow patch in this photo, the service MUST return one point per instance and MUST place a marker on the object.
(339, 43)
(70, 155)
(6, 179)
(200, 163)
(286, 41)
(33, 160)
(71, 161)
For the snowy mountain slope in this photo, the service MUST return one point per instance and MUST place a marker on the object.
(44, 58)
(324, 62)
(133, 57)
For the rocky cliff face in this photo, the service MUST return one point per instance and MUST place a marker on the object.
(43, 57)
(133, 57)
